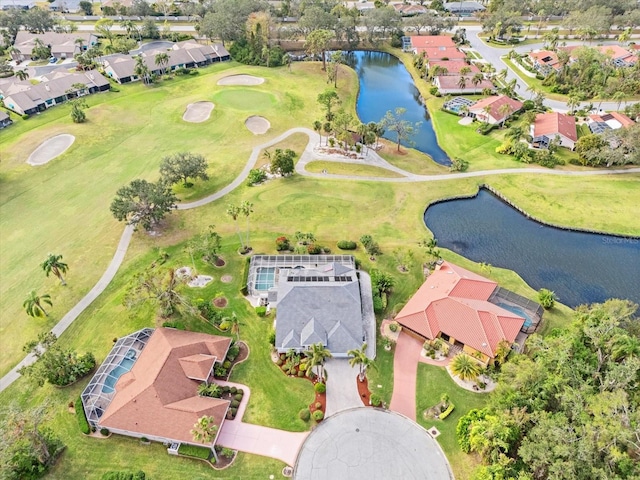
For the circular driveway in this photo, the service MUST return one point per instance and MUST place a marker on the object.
(368, 443)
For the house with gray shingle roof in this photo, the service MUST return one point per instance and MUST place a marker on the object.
(319, 305)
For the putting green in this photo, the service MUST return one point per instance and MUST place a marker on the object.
(245, 99)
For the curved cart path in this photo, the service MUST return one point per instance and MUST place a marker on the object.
(308, 155)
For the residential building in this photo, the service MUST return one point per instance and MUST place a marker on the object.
(492, 110)
(453, 67)
(451, 84)
(552, 125)
(5, 119)
(148, 386)
(56, 87)
(464, 309)
(408, 10)
(621, 57)
(420, 42)
(318, 299)
(544, 61)
(187, 54)
(443, 53)
(598, 123)
(19, 4)
(62, 45)
(464, 9)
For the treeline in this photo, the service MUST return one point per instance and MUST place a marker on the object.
(569, 407)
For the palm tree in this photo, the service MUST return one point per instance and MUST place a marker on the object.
(53, 264)
(234, 212)
(359, 357)
(141, 69)
(477, 79)
(504, 110)
(33, 304)
(465, 367)
(317, 126)
(486, 110)
(231, 323)
(21, 74)
(462, 82)
(516, 133)
(204, 430)
(246, 208)
(319, 353)
(162, 60)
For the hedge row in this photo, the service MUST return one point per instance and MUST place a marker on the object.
(139, 475)
(194, 451)
(82, 418)
(347, 245)
(245, 276)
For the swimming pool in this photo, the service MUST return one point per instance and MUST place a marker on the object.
(518, 311)
(123, 367)
(265, 278)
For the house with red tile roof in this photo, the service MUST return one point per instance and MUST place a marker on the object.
(408, 10)
(421, 42)
(443, 53)
(608, 121)
(621, 56)
(544, 61)
(492, 110)
(548, 126)
(455, 305)
(453, 67)
(450, 84)
(148, 385)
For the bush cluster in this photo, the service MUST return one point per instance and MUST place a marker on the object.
(122, 475)
(320, 387)
(82, 419)
(375, 400)
(261, 311)
(194, 451)
(318, 415)
(304, 414)
(256, 176)
(347, 245)
(282, 244)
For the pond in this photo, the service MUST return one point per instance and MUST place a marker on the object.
(385, 84)
(579, 267)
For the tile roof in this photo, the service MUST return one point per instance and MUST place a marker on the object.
(156, 398)
(496, 103)
(545, 57)
(406, 9)
(440, 53)
(554, 123)
(453, 66)
(614, 120)
(454, 301)
(426, 41)
(59, 42)
(614, 51)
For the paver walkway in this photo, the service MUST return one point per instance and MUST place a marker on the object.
(405, 370)
(256, 439)
(342, 390)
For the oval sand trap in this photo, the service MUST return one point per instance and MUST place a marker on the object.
(241, 79)
(50, 149)
(257, 125)
(198, 112)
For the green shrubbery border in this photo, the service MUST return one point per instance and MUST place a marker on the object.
(82, 418)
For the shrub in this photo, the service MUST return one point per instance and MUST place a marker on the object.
(238, 397)
(226, 364)
(320, 387)
(459, 165)
(282, 244)
(447, 412)
(234, 410)
(220, 371)
(176, 325)
(233, 390)
(279, 362)
(82, 419)
(433, 90)
(393, 327)
(375, 400)
(304, 414)
(318, 415)
(240, 391)
(226, 389)
(256, 176)
(104, 432)
(261, 311)
(314, 249)
(318, 405)
(301, 373)
(227, 452)
(272, 338)
(347, 245)
(233, 352)
(144, 439)
(378, 305)
(229, 415)
(235, 403)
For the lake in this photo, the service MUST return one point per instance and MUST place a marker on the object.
(579, 267)
(385, 84)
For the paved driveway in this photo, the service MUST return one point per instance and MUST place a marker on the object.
(342, 390)
(405, 370)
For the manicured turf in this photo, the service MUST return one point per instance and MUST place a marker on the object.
(337, 168)
(432, 383)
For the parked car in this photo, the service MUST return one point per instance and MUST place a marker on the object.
(53, 60)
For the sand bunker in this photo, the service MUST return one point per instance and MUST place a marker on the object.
(241, 80)
(257, 125)
(198, 112)
(50, 149)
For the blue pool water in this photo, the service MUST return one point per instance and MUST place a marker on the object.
(518, 311)
(265, 278)
(123, 367)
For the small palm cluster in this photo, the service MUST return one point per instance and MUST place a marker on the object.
(34, 304)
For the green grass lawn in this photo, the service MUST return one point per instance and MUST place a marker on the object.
(63, 207)
(432, 383)
(337, 168)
